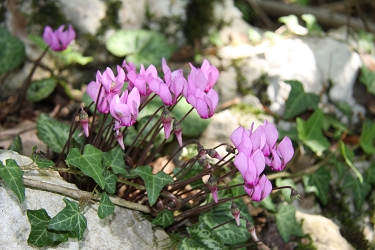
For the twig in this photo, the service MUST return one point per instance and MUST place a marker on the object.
(77, 194)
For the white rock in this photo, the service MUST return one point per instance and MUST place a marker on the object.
(124, 229)
(85, 15)
(325, 233)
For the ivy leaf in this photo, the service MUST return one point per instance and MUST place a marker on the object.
(115, 160)
(318, 183)
(230, 233)
(367, 77)
(106, 206)
(299, 101)
(154, 183)
(12, 176)
(90, 163)
(40, 89)
(367, 137)
(286, 191)
(40, 235)
(40, 160)
(287, 224)
(201, 237)
(110, 181)
(16, 144)
(358, 189)
(311, 23)
(348, 156)
(164, 218)
(55, 134)
(310, 132)
(69, 219)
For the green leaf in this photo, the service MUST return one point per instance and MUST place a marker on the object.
(239, 190)
(318, 183)
(348, 156)
(230, 233)
(40, 89)
(367, 78)
(202, 237)
(40, 235)
(154, 183)
(367, 137)
(40, 159)
(299, 101)
(115, 160)
(69, 219)
(370, 174)
(110, 181)
(12, 176)
(12, 52)
(55, 134)
(286, 191)
(106, 206)
(140, 46)
(70, 56)
(359, 189)
(311, 23)
(267, 203)
(310, 132)
(90, 163)
(287, 224)
(164, 218)
(16, 144)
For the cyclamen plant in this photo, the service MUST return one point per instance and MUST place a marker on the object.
(118, 101)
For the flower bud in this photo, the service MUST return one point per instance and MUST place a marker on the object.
(213, 153)
(166, 120)
(294, 195)
(204, 163)
(177, 131)
(212, 185)
(235, 210)
(251, 229)
(84, 120)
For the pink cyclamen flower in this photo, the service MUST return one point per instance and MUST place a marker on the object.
(59, 39)
(205, 104)
(106, 86)
(282, 155)
(204, 77)
(143, 79)
(125, 108)
(261, 190)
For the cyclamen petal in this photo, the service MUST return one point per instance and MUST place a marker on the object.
(276, 162)
(241, 140)
(251, 177)
(241, 163)
(285, 149)
(260, 191)
(259, 161)
(59, 39)
(271, 134)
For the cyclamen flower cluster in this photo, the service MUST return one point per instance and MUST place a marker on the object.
(255, 150)
(59, 39)
(106, 92)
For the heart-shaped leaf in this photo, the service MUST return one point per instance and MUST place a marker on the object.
(318, 183)
(39, 158)
(140, 46)
(299, 101)
(55, 134)
(110, 181)
(115, 160)
(40, 89)
(90, 163)
(12, 52)
(12, 176)
(69, 219)
(201, 237)
(154, 183)
(106, 206)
